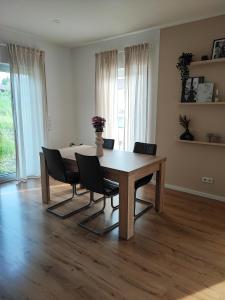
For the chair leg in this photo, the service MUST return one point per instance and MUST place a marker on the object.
(80, 194)
(146, 203)
(95, 215)
(114, 206)
(98, 200)
(51, 209)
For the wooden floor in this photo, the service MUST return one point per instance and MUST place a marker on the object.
(179, 254)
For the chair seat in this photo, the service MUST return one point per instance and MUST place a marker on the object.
(111, 188)
(72, 177)
(142, 181)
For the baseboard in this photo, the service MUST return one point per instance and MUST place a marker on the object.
(193, 192)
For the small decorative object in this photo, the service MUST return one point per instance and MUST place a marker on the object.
(213, 138)
(218, 50)
(205, 92)
(98, 123)
(204, 57)
(185, 122)
(189, 94)
(184, 61)
(72, 144)
(217, 96)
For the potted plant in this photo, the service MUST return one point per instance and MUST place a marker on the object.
(98, 123)
(185, 122)
(183, 66)
(183, 62)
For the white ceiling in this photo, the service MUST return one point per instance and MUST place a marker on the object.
(86, 21)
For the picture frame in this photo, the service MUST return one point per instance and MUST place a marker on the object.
(218, 49)
(205, 92)
(190, 88)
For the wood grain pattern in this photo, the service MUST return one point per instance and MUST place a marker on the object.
(113, 160)
(221, 102)
(126, 209)
(159, 190)
(207, 62)
(176, 255)
(44, 180)
(202, 143)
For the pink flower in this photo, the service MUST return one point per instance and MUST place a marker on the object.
(98, 123)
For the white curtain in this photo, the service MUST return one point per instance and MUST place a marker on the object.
(27, 71)
(106, 69)
(136, 95)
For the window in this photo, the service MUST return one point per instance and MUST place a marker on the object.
(7, 138)
(122, 94)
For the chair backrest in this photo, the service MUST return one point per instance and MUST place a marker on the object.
(108, 144)
(91, 175)
(145, 148)
(55, 164)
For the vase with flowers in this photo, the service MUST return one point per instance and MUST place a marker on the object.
(98, 123)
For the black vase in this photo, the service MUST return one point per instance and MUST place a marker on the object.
(187, 136)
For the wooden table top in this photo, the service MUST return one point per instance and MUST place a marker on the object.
(122, 161)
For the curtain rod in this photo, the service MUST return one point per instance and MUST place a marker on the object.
(122, 51)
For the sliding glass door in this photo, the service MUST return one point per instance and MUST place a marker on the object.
(7, 138)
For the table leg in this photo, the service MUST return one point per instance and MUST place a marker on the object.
(44, 180)
(126, 207)
(91, 196)
(159, 188)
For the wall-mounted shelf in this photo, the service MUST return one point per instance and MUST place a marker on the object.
(202, 103)
(206, 62)
(219, 104)
(202, 143)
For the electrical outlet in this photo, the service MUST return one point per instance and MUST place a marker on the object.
(208, 180)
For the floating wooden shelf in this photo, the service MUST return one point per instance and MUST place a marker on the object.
(222, 102)
(206, 62)
(202, 103)
(202, 143)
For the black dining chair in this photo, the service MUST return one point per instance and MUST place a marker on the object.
(143, 148)
(92, 178)
(58, 171)
(108, 144)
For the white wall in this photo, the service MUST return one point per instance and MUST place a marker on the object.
(84, 77)
(59, 85)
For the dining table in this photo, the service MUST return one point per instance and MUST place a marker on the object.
(123, 167)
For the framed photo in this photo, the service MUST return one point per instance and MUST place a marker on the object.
(189, 92)
(218, 50)
(205, 92)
